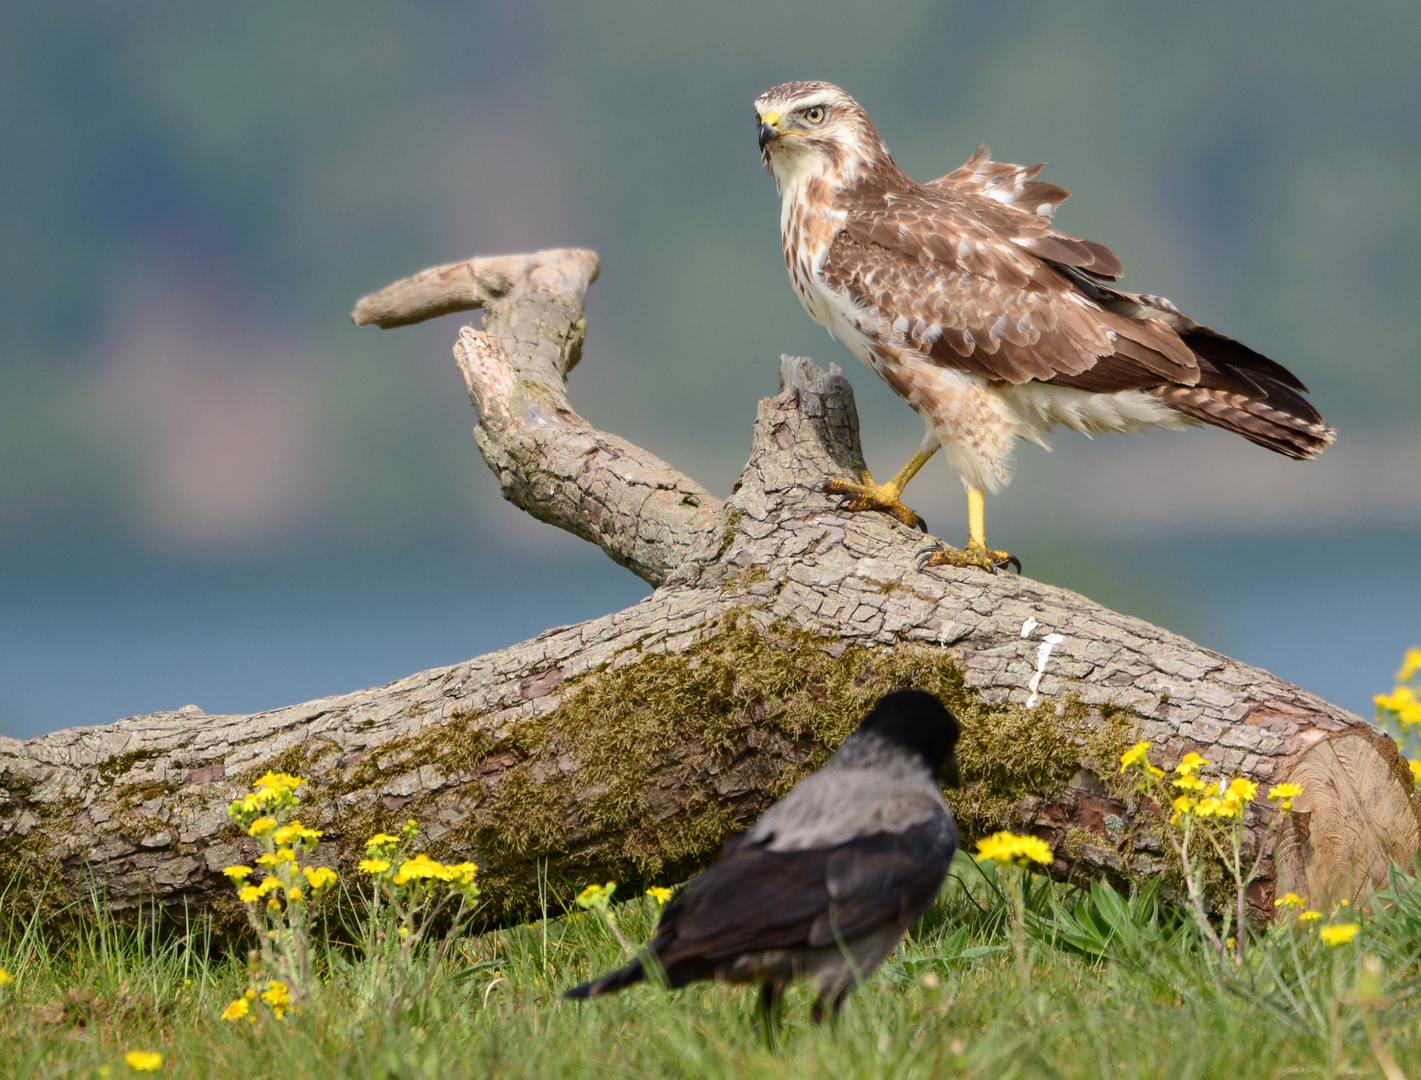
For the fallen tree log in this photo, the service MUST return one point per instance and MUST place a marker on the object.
(633, 746)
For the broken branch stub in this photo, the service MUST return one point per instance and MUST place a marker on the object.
(633, 746)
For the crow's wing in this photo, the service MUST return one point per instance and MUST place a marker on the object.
(755, 899)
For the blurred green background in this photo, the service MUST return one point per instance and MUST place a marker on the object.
(214, 489)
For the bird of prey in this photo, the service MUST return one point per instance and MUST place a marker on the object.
(826, 882)
(993, 324)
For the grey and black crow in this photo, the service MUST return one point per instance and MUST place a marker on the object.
(826, 882)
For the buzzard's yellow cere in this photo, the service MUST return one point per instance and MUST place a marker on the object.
(991, 323)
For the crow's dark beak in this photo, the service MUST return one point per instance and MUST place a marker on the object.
(767, 134)
(950, 774)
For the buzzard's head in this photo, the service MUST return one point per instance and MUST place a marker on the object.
(810, 129)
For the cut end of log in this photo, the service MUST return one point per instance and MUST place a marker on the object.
(1354, 819)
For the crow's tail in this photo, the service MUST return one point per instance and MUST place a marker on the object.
(608, 984)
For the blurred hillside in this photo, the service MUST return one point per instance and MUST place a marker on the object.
(213, 488)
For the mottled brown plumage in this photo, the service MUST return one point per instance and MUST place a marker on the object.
(992, 323)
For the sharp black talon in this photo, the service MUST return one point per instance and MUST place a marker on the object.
(1014, 561)
(923, 556)
(843, 502)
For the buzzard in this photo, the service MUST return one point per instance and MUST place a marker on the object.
(990, 322)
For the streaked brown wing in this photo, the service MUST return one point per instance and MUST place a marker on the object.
(984, 287)
(1015, 185)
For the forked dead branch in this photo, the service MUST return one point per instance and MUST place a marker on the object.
(633, 746)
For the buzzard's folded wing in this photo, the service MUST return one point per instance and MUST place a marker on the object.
(983, 287)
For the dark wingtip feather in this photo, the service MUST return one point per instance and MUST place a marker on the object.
(1228, 353)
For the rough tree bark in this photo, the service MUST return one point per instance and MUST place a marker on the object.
(634, 745)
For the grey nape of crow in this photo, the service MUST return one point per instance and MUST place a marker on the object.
(827, 881)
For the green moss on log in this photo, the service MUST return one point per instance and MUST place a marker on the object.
(646, 768)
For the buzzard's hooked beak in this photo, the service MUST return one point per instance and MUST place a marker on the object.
(769, 128)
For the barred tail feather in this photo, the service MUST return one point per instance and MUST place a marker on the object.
(1279, 419)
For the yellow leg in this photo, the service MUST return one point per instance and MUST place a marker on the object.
(910, 470)
(977, 553)
(866, 495)
(976, 518)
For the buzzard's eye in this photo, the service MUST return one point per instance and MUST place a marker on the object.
(815, 114)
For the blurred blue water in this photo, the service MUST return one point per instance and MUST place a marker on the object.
(89, 636)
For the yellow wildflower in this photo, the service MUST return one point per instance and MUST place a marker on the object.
(381, 840)
(1402, 701)
(1188, 782)
(278, 996)
(421, 867)
(1210, 806)
(1154, 771)
(463, 873)
(1182, 805)
(1339, 933)
(268, 884)
(5, 977)
(261, 825)
(237, 1009)
(285, 854)
(1134, 755)
(373, 866)
(276, 786)
(1189, 764)
(1309, 916)
(1410, 664)
(1286, 793)
(1242, 790)
(266, 859)
(294, 894)
(318, 877)
(273, 905)
(1415, 764)
(659, 894)
(1006, 847)
(143, 1060)
(238, 873)
(296, 831)
(596, 896)
(249, 894)
(1291, 900)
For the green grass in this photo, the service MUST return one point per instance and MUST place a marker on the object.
(1119, 987)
